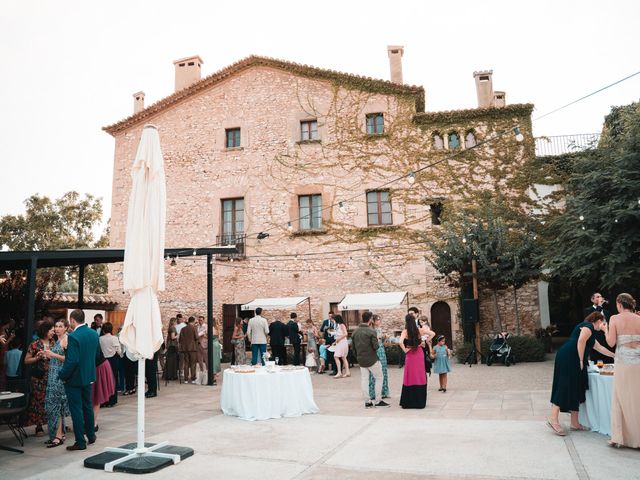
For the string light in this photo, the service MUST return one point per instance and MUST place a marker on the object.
(411, 178)
(518, 134)
(343, 207)
(581, 218)
(173, 262)
(289, 226)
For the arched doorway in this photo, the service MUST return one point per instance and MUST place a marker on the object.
(441, 321)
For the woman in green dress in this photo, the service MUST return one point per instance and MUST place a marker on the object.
(570, 381)
(216, 349)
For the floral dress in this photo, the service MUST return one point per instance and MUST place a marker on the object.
(382, 356)
(56, 404)
(36, 414)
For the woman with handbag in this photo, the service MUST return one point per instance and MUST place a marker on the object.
(36, 357)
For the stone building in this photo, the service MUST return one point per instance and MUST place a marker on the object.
(317, 176)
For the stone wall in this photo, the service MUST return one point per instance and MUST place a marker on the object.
(268, 105)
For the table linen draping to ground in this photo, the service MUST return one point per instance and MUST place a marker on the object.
(261, 395)
(595, 412)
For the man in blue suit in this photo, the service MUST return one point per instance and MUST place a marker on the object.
(78, 373)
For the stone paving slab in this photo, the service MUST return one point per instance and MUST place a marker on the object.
(489, 425)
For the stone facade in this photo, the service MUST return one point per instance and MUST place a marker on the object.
(267, 101)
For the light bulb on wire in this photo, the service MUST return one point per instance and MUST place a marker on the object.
(581, 218)
(411, 178)
(289, 226)
(342, 207)
(518, 134)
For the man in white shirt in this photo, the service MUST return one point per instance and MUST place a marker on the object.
(180, 323)
(257, 333)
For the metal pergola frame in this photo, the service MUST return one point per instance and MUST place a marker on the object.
(32, 260)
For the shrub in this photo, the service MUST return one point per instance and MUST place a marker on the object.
(394, 353)
(525, 349)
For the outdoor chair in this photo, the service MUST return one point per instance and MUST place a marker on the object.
(13, 412)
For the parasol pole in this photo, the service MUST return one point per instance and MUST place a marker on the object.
(141, 380)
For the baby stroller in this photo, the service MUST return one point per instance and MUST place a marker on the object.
(500, 351)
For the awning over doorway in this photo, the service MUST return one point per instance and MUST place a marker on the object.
(373, 301)
(274, 303)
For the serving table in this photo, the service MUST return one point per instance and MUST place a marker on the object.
(595, 412)
(261, 393)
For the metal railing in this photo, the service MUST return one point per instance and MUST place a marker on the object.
(563, 144)
(237, 239)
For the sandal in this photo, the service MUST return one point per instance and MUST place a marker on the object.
(613, 444)
(557, 429)
(580, 428)
(55, 443)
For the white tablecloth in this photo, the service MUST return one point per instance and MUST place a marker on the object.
(262, 395)
(595, 412)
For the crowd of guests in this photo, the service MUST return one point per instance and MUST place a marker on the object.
(186, 350)
(570, 377)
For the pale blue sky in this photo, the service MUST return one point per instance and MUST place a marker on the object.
(69, 67)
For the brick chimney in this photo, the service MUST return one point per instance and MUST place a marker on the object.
(395, 62)
(187, 71)
(499, 99)
(138, 102)
(484, 88)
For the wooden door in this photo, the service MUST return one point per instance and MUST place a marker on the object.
(116, 318)
(229, 314)
(441, 321)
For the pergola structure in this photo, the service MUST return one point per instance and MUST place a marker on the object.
(32, 260)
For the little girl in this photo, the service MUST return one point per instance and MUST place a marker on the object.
(441, 365)
(322, 351)
(310, 361)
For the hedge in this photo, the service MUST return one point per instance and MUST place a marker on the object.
(525, 349)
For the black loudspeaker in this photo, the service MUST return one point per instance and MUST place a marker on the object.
(470, 311)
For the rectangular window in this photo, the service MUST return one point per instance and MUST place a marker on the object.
(309, 130)
(375, 123)
(379, 208)
(232, 218)
(232, 137)
(310, 211)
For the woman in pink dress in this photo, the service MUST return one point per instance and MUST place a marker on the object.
(341, 348)
(624, 333)
(414, 381)
(103, 387)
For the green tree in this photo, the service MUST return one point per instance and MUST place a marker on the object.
(595, 239)
(502, 243)
(66, 222)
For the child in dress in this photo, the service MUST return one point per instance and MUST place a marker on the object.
(310, 360)
(322, 351)
(441, 365)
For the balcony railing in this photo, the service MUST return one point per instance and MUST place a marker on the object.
(237, 239)
(563, 144)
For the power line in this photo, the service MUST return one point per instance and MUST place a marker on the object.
(586, 96)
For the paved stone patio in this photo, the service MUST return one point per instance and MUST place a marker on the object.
(489, 425)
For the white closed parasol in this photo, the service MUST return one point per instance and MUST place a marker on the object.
(144, 274)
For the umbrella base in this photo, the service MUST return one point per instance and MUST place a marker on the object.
(126, 459)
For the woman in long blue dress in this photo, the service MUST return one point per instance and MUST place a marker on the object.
(376, 321)
(570, 380)
(56, 404)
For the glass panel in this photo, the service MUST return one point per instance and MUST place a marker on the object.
(370, 124)
(454, 141)
(379, 123)
(470, 140)
(314, 131)
(316, 211)
(385, 207)
(304, 212)
(373, 218)
(372, 207)
(384, 196)
(386, 219)
(438, 143)
(304, 131)
(372, 197)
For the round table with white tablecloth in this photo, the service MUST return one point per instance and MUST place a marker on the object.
(595, 412)
(261, 395)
